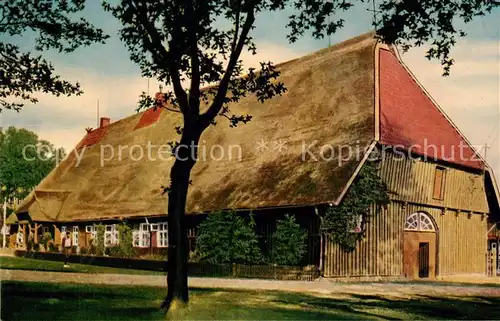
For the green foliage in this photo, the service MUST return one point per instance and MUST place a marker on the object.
(92, 249)
(225, 237)
(84, 251)
(36, 247)
(126, 247)
(56, 26)
(53, 247)
(99, 241)
(113, 250)
(24, 161)
(367, 190)
(46, 238)
(289, 242)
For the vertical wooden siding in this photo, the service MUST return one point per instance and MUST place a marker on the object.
(413, 181)
(461, 244)
(378, 254)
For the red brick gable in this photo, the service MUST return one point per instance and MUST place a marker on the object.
(409, 118)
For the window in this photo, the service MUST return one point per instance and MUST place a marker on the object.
(419, 221)
(75, 235)
(439, 181)
(110, 235)
(356, 224)
(162, 235)
(92, 229)
(154, 227)
(45, 229)
(20, 238)
(141, 237)
(64, 229)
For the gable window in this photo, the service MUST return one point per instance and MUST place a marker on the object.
(419, 221)
(110, 235)
(162, 235)
(439, 182)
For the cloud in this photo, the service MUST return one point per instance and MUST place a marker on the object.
(470, 95)
(62, 120)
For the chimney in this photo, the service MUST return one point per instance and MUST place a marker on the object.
(104, 122)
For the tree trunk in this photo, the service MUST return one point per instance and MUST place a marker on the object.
(178, 249)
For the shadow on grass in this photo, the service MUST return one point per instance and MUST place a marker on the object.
(419, 306)
(48, 301)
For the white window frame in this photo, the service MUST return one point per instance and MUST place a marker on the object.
(419, 221)
(358, 224)
(92, 230)
(110, 235)
(20, 238)
(162, 235)
(141, 237)
(154, 227)
(74, 235)
(64, 229)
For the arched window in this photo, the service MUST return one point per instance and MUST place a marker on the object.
(419, 221)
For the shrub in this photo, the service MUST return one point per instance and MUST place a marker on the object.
(114, 251)
(125, 237)
(36, 247)
(52, 247)
(46, 237)
(225, 237)
(289, 242)
(84, 251)
(74, 249)
(92, 249)
(100, 239)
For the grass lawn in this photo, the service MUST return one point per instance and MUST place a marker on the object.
(19, 263)
(48, 301)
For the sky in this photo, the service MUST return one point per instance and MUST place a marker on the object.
(470, 95)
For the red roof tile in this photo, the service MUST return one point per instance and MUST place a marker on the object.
(149, 117)
(408, 117)
(94, 136)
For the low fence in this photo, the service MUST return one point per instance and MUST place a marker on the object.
(308, 273)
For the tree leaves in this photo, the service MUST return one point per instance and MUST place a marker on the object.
(24, 161)
(23, 74)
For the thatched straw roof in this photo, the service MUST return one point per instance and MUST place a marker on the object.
(330, 100)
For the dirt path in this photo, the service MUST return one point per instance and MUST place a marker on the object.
(323, 286)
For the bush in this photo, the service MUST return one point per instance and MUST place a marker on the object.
(92, 249)
(74, 249)
(52, 247)
(114, 251)
(289, 242)
(100, 239)
(36, 247)
(125, 236)
(46, 238)
(225, 237)
(84, 251)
